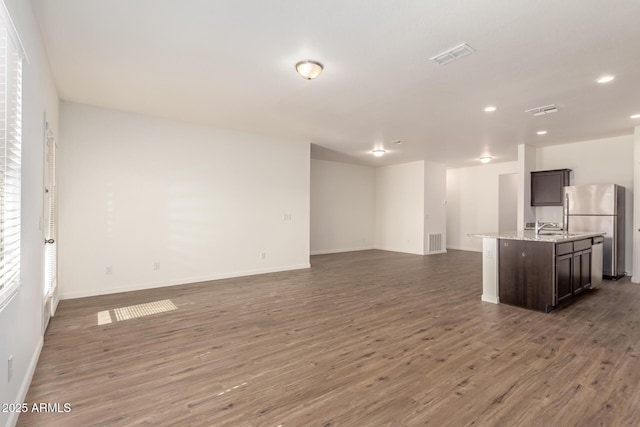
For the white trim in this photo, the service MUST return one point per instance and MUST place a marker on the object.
(10, 296)
(13, 32)
(443, 251)
(26, 382)
(185, 281)
(635, 235)
(490, 270)
(493, 300)
(337, 251)
(402, 251)
(54, 304)
(464, 248)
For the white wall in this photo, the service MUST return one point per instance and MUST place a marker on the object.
(636, 207)
(435, 210)
(203, 202)
(472, 203)
(508, 202)
(400, 208)
(601, 161)
(526, 164)
(342, 207)
(21, 320)
(472, 193)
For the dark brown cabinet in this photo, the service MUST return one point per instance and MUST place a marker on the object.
(546, 187)
(541, 275)
(582, 274)
(525, 277)
(564, 276)
(581, 265)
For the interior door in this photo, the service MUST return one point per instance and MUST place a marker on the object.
(50, 230)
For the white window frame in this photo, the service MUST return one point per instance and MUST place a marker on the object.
(11, 58)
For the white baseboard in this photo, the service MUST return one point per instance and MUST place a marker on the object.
(185, 281)
(337, 251)
(56, 301)
(26, 382)
(491, 299)
(400, 250)
(368, 248)
(443, 251)
(464, 248)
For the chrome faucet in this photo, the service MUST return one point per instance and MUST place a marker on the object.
(541, 225)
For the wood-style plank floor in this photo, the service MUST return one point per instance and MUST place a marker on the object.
(367, 338)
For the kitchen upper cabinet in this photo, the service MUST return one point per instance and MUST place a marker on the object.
(546, 187)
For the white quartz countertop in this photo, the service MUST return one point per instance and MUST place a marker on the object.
(544, 236)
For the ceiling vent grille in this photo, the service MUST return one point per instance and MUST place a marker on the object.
(453, 54)
(541, 111)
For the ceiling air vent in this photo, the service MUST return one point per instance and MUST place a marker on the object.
(541, 111)
(453, 54)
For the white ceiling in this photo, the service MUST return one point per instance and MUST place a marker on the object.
(230, 63)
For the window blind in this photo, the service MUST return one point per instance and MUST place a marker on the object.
(10, 157)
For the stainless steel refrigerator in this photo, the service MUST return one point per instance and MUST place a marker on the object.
(599, 208)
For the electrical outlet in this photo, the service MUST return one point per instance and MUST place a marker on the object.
(263, 255)
(156, 265)
(10, 368)
(108, 269)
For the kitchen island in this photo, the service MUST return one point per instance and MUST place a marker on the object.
(536, 271)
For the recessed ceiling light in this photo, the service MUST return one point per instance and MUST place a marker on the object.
(309, 69)
(490, 109)
(541, 132)
(605, 79)
(635, 116)
(485, 159)
(378, 152)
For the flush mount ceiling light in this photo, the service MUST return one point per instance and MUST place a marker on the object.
(379, 152)
(541, 132)
(605, 79)
(490, 109)
(485, 159)
(309, 69)
(635, 116)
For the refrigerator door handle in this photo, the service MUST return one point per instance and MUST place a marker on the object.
(565, 225)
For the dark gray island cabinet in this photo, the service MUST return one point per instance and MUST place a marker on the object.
(538, 272)
(541, 275)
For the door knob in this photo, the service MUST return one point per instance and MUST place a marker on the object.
(50, 241)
